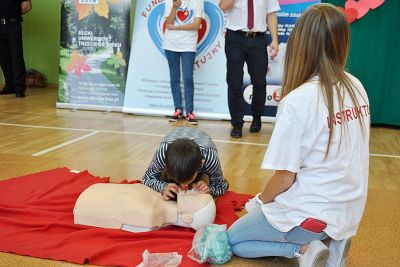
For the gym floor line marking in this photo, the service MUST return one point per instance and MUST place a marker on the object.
(149, 134)
(384, 156)
(64, 144)
(117, 132)
(239, 143)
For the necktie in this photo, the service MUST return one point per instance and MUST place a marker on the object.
(250, 14)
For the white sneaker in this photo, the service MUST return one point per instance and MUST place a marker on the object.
(316, 255)
(338, 251)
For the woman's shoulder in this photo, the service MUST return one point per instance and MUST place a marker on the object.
(305, 92)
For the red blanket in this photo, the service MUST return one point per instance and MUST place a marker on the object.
(36, 219)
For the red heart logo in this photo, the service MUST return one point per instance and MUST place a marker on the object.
(374, 3)
(182, 15)
(362, 7)
(202, 31)
(351, 14)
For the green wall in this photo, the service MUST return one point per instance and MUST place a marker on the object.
(41, 33)
(374, 54)
(375, 59)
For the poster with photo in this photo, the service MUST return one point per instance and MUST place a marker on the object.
(94, 52)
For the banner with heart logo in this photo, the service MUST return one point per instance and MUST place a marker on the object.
(207, 34)
(148, 86)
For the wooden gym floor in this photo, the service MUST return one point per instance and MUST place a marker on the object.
(35, 136)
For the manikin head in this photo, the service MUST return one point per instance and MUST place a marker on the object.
(195, 209)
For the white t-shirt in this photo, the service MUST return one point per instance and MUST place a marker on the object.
(182, 40)
(332, 190)
(237, 16)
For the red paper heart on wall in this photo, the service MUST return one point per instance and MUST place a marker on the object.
(182, 15)
(361, 6)
(374, 3)
(351, 14)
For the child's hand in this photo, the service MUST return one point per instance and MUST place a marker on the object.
(201, 187)
(170, 26)
(177, 3)
(170, 191)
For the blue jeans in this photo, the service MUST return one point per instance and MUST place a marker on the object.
(174, 63)
(252, 236)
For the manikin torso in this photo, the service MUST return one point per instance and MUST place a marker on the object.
(138, 208)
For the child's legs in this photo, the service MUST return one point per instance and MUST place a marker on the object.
(187, 70)
(174, 63)
(252, 236)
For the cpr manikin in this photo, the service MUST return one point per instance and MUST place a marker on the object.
(138, 208)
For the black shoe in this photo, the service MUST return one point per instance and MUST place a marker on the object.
(255, 125)
(236, 132)
(20, 95)
(7, 92)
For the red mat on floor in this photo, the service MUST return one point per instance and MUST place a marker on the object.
(36, 219)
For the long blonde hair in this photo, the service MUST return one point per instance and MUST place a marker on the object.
(319, 45)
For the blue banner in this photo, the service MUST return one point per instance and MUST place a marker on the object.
(148, 85)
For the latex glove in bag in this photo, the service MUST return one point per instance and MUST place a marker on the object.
(210, 244)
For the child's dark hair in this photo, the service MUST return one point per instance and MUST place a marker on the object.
(183, 159)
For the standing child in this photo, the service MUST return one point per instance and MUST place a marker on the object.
(319, 150)
(183, 19)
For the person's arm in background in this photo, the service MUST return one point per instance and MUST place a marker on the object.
(26, 6)
(194, 26)
(226, 5)
(187, 27)
(279, 183)
(272, 22)
(171, 17)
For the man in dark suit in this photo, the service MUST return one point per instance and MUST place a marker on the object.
(11, 50)
(245, 41)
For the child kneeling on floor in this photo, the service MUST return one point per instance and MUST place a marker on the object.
(187, 157)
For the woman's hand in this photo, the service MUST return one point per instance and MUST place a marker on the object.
(201, 187)
(253, 204)
(170, 191)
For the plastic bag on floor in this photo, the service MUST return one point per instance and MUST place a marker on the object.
(172, 259)
(210, 244)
